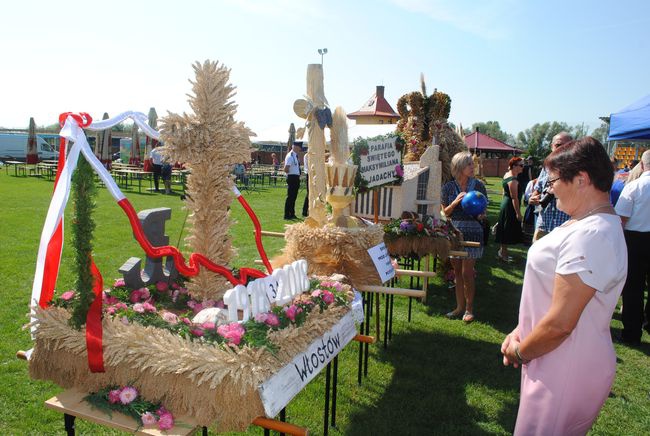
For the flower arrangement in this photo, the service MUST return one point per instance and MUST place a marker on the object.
(169, 306)
(411, 225)
(127, 400)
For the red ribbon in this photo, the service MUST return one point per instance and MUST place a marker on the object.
(196, 260)
(258, 232)
(53, 253)
(94, 330)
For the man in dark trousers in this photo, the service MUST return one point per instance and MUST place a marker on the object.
(633, 207)
(292, 169)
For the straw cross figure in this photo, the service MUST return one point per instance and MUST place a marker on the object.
(209, 142)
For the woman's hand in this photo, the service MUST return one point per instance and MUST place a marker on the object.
(508, 348)
(458, 198)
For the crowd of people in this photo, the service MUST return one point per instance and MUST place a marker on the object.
(587, 250)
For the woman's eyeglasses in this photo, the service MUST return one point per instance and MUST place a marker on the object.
(550, 182)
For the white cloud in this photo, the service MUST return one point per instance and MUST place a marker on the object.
(486, 19)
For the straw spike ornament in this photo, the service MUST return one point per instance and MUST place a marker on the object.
(209, 141)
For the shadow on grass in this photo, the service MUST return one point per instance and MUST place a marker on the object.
(449, 385)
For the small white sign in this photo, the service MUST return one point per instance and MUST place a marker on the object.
(381, 259)
(280, 388)
(378, 166)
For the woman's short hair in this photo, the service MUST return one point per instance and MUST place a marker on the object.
(514, 161)
(459, 162)
(585, 154)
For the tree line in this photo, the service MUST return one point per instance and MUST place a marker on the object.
(536, 140)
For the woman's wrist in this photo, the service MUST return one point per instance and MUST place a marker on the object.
(521, 359)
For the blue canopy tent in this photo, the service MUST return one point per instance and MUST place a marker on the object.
(632, 122)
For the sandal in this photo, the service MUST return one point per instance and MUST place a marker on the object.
(453, 315)
(468, 317)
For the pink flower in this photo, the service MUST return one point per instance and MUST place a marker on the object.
(114, 396)
(139, 307)
(170, 317)
(67, 296)
(148, 307)
(328, 297)
(162, 411)
(292, 311)
(124, 320)
(208, 303)
(148, 418)
(220, 304)
(176, 286)
(272, 319)
(119, 282)
(162, 286)
(135, 296)
(186, 321)
(232, 332)
(109, 299)
(316, 293)
(128, 394)
(183, 291)
(399, 171)
(175, 295)
(121, 306)
(144, 293)
(166, 421)
(268, 318)
(111, 310)
(197, 332)
(208, 326)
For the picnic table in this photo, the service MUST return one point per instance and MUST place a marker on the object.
(122, 176)
(18, 165)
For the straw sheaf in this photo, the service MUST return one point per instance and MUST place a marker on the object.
(404, 246)
(209, 142)
(331, 250)
(206, 382)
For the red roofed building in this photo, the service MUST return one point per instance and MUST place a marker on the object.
(494, 153)
(375, 111)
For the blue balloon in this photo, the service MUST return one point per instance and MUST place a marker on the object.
(474, 203)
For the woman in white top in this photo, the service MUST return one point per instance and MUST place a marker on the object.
(572, 282)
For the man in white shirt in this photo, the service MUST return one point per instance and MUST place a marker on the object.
(156, 162)
(633, 206)
(292, 169)
(305, 169)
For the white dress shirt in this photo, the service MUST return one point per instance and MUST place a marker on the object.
(634, 203)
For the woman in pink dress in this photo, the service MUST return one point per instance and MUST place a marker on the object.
(573, 279)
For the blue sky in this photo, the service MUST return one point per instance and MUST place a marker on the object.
(517, 62)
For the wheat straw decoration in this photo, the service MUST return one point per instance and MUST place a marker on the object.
(209, 141)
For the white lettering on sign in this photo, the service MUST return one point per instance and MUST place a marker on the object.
(381, 259)
(378, 166)
(279, 390)
(280, 288)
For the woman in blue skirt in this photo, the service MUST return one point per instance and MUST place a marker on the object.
(462, 168)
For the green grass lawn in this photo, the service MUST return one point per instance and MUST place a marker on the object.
(436, 377)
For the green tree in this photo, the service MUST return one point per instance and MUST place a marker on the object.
(493, 129)
(536, 140)
(601, 133)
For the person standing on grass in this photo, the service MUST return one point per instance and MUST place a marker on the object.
(292, 169)
(156, 162)
(633, 207)
(550, 216)
(508, 229)
(572, 282)
(462, 168)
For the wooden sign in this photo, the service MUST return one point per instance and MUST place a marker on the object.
(279, 390)
(377, 163)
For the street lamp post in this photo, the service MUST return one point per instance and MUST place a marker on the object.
(322, 52)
